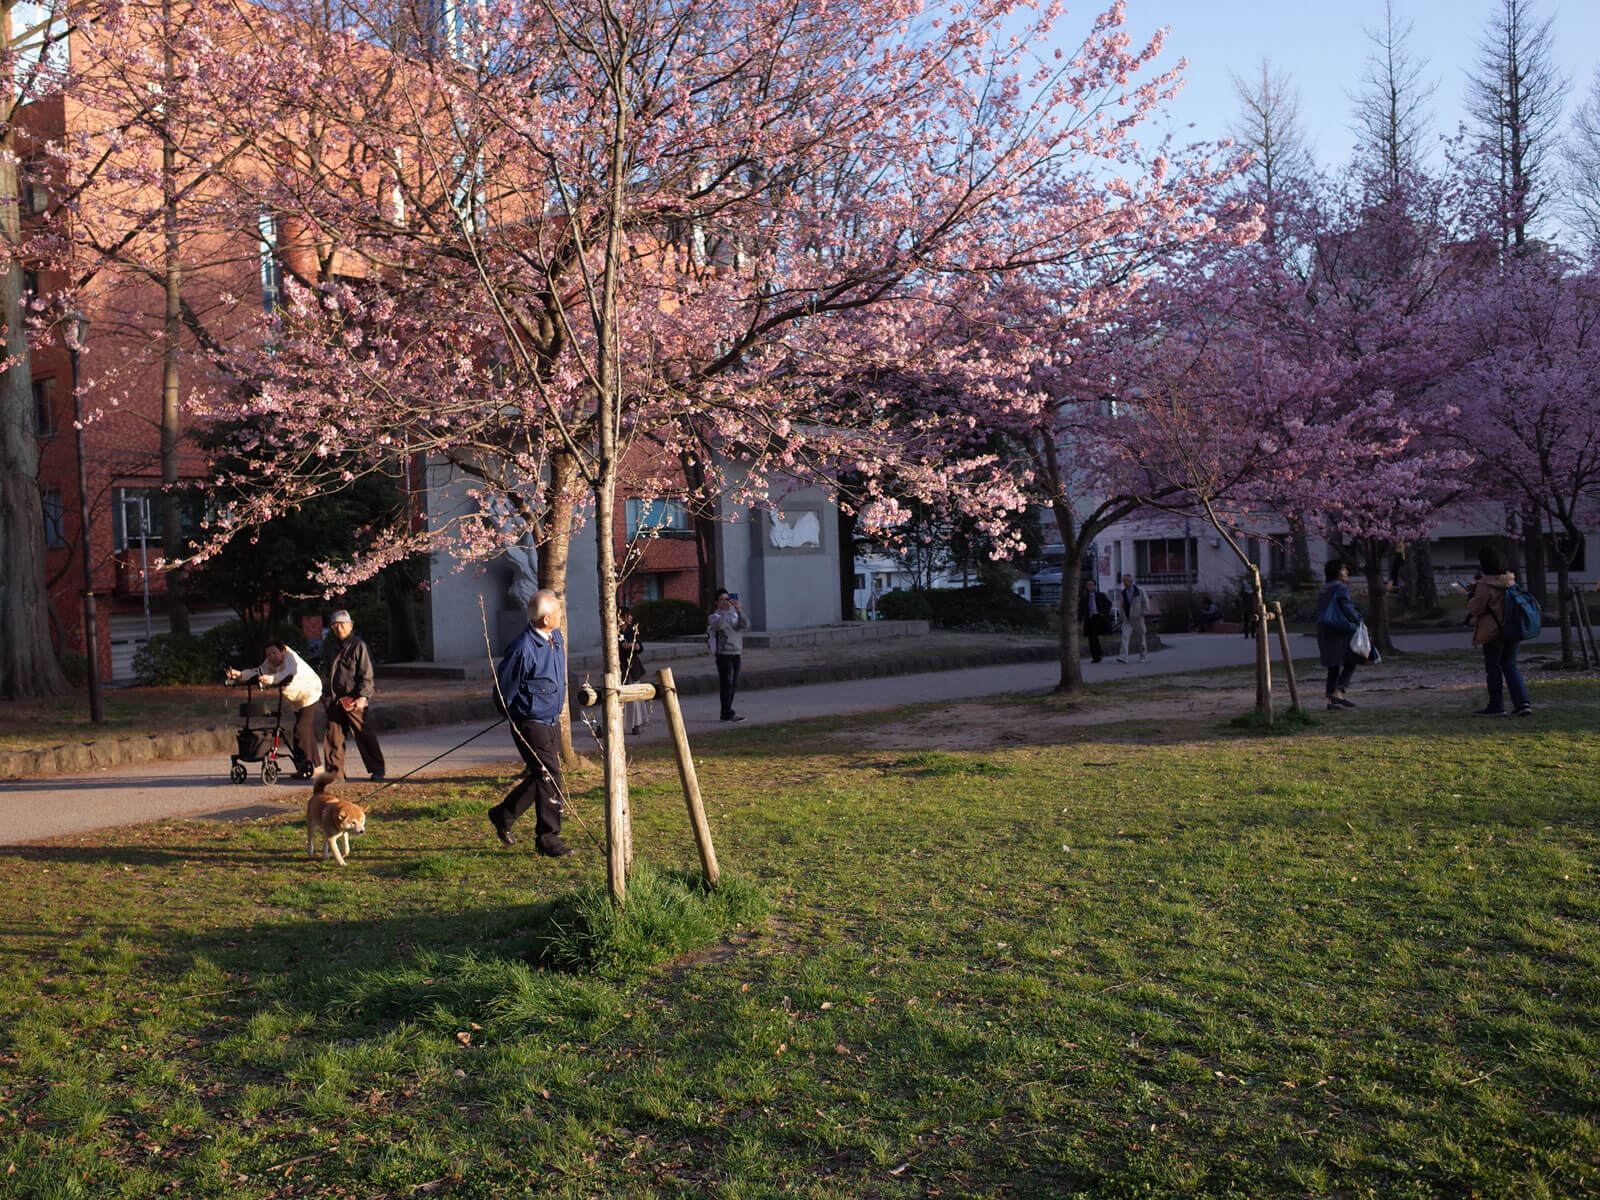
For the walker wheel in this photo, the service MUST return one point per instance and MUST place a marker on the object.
(269, 772)
(237, 773)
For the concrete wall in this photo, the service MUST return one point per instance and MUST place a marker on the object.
(783, 560)
(785, 567)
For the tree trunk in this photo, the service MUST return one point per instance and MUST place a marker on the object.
(1424, 589)
(171, 407)
(1071, 640)
(28, 666)
(400, 596)
(1563, 590)
(619, 820)
(1533, 553)
(847, 564)
(1377, 595)
(554, 547)
(703, 516)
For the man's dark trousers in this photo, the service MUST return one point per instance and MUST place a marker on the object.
(727, 681)
(351, 725)
(540, 747)
(1092, 628)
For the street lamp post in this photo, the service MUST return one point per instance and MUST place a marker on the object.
(77, 332)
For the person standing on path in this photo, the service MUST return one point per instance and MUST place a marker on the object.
(1094, 610)
(1135, 607)
(531, 690)
(725, 629)
(1337, 618)
(1486, 608)
(301, 688)
(349, 686)
(630, 653)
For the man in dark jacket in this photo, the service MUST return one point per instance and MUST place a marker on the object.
(1094, 610)
(348, 687)
(531, 689)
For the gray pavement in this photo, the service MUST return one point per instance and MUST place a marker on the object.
(31, 809)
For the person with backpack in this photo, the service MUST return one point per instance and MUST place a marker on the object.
(1498, 610)
(1337, 619)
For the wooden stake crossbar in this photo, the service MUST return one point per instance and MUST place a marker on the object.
(620, 842)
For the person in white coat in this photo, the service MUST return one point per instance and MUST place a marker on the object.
(1135, 606)
(302, 687)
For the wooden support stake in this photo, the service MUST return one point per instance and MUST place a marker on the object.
(1584, 629)
(619, 836)
(1263, 664)
(1288, 658)
(668, 692)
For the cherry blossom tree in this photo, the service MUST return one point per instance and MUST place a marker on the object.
(556, 228)
(1527, 398)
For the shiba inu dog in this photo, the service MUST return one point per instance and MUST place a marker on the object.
(331, 819)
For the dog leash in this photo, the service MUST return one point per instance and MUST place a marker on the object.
(389, 783)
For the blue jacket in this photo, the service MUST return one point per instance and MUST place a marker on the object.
(1337, 618)
(533, 677)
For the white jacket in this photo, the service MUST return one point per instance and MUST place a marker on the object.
(301, 685)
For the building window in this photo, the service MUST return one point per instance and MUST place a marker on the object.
(1165, 560)
(657, 518)
(44, 407)
(132, 517)
(1558, 546)
(646, 587)
(55, 529)
(271, 273)
(35, 197)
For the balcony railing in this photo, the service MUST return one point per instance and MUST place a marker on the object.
(1168, 578)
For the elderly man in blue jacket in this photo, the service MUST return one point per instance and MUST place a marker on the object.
(531, 689)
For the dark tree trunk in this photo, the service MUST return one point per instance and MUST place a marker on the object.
(1424, 591)
(1375, 552)
(703, 515)
(555, 546)
(400, 596)
(28, 666)
(847, 564)
(1533, 554)
(1071, 640)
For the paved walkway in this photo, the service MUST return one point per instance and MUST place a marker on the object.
(31, 809)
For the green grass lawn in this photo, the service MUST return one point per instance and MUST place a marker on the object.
(1358, 962)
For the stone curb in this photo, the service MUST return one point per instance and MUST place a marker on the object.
(79, 757)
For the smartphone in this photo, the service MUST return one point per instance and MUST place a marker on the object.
(733, 595)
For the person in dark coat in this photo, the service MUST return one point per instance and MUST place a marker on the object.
(349, 684)
(1094, 610)
(1337, 619)
(630, 653)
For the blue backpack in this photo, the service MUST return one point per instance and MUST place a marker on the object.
(1521, 621)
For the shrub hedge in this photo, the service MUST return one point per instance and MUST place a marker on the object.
(986, 607)
(661, 619)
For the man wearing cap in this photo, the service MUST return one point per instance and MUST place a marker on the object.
(347, 667)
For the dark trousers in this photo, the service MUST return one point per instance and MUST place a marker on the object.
(305, 737)
(1339, 677)
(352, 726)
(1500, 665)
(727, 681)
(540, 786)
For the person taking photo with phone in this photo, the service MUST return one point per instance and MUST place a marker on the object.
(725, 631)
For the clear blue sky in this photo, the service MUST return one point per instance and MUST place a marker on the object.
(1322, 49)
